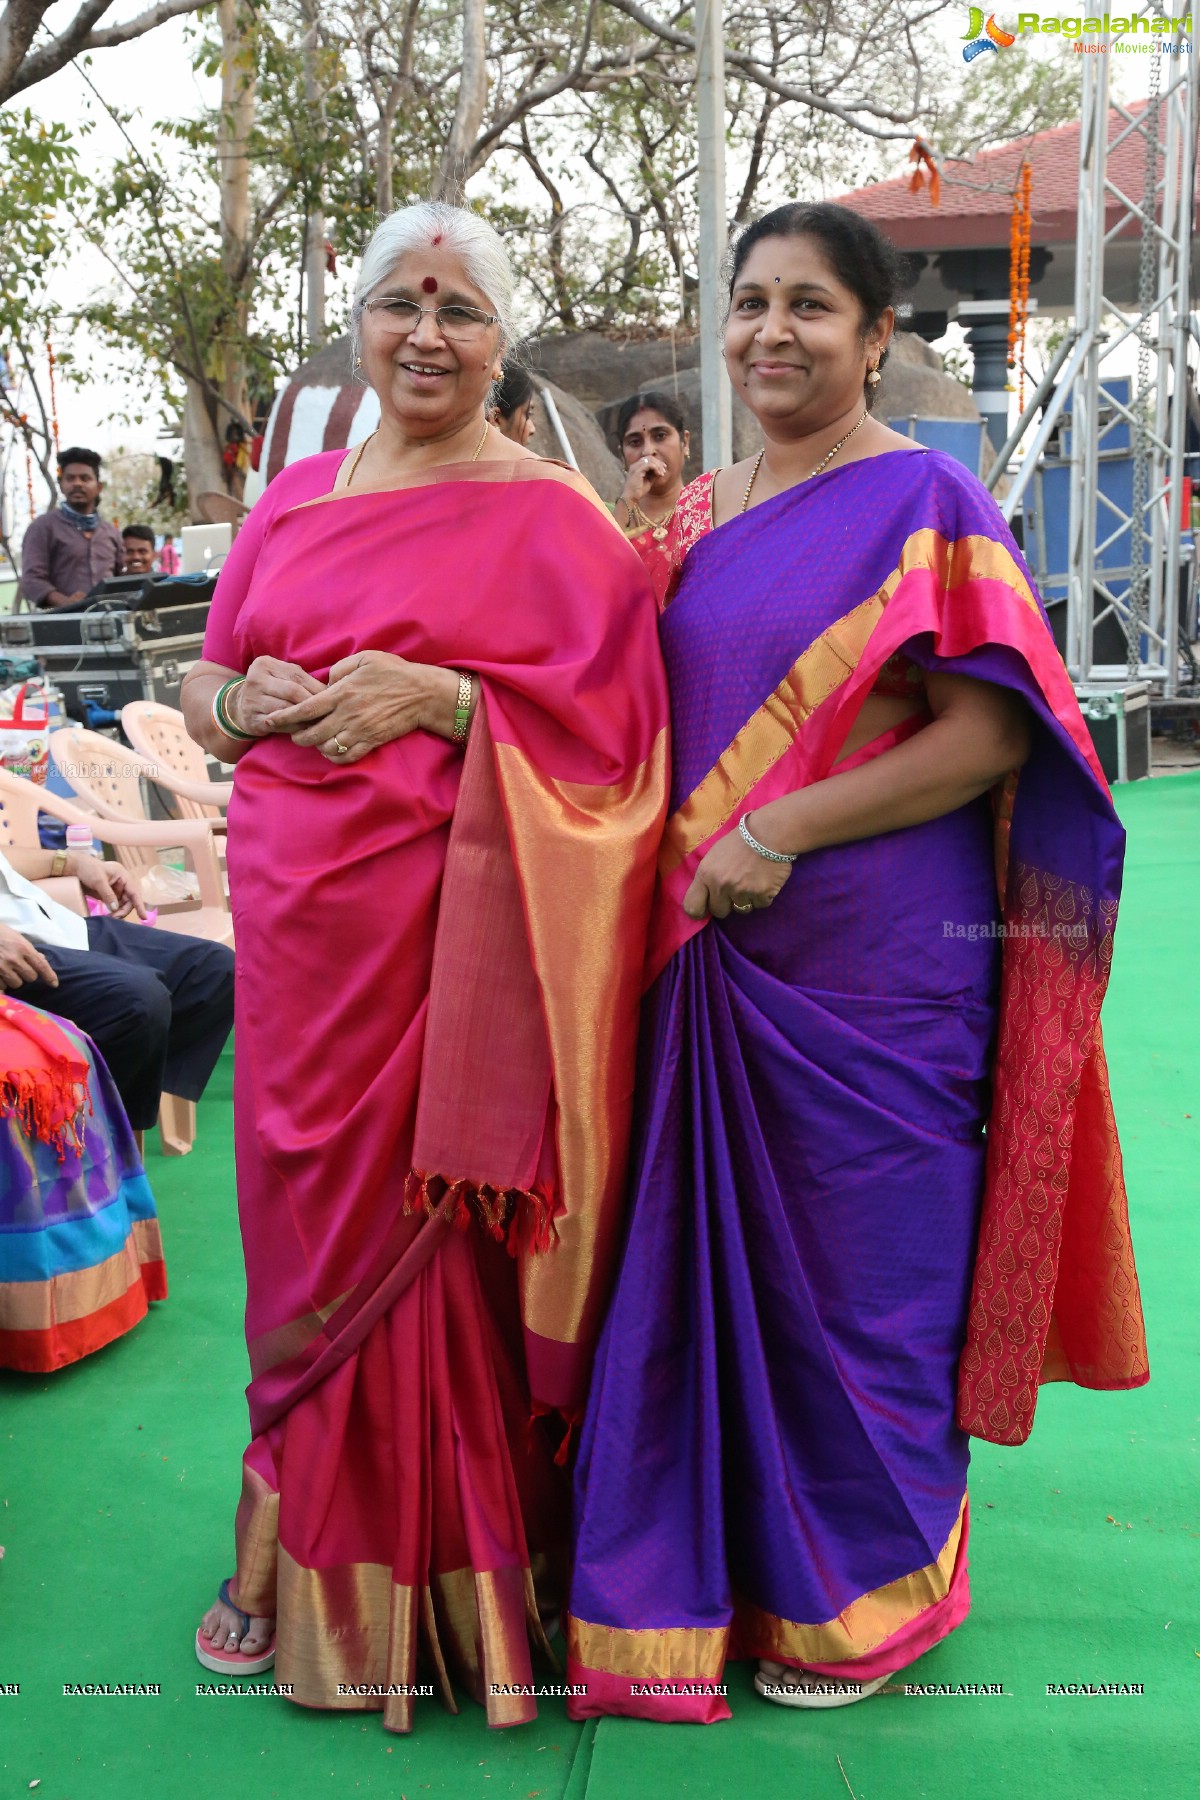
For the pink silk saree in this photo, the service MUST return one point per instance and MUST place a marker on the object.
(439, 964)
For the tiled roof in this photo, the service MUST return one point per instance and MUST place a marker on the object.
(976, 197)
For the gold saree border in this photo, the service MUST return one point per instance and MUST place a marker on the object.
(695, 1653)
(815, 676)
(863, 1626)
(353, 1625)
(78, 1293)
(680, 1652)
(283, 1342)
(256, 1533)
(588, 841)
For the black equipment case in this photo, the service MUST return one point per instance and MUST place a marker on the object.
(134, 638)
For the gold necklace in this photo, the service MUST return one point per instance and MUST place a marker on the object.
(820, 468)
(375, 433)
(658, 527)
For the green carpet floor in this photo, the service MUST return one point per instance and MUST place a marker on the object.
(118, 1480)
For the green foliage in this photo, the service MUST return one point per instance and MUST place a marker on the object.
(39, 178)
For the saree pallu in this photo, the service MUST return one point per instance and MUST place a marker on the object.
(439, 965)
(81, 1255)
(877, 1190)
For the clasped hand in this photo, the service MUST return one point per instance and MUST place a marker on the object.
(369, 699)
(733, 878)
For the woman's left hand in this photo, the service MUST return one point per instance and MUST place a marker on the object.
(733, 878)
(370, 699)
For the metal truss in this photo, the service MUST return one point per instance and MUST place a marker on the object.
(1126, 565)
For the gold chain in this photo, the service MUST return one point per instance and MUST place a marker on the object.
(374, 434)
(820, 468)
(640, 521)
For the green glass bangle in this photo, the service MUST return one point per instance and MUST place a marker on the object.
(221, 718)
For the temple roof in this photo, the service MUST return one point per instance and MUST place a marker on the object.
(976, 197)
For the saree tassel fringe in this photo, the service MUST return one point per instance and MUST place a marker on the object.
(519, 1218)
(48, 1106)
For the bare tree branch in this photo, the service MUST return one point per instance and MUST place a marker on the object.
(22, 66)
(858, 118)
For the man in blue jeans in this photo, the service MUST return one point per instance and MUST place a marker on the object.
(157, 1005)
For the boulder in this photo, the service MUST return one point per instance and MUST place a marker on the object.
(597, 369)
(914, 384)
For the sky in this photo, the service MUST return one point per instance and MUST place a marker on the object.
(154, 78)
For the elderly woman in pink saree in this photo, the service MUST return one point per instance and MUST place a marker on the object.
(435, 662)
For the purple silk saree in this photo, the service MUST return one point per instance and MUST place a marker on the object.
(774, 1457)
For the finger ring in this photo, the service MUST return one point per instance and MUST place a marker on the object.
(741, 906)
(340, 747)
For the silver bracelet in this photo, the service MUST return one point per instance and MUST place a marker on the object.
(771, 855)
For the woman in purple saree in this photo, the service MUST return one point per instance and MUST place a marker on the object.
(877, 1192)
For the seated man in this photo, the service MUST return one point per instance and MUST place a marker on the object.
(138, 542)
(157, 1005)
(65, 554)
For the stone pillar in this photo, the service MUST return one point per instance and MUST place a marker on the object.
(982, 277)
(986, 325)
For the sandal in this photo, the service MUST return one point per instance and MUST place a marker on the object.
(800, 1687)
(233, 1662)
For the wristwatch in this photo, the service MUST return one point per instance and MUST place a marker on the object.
(59, 865)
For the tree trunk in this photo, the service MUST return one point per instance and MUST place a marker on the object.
(314, 280)
(202, 446)
(233, 165)
(469, 107)
(314, 248)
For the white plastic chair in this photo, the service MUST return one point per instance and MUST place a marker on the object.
(108, 775)
(160, 734)
(107, 780)
(134, 841)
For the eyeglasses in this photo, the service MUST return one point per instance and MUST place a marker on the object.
(452, 321)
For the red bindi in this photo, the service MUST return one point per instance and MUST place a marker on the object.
(429, 285)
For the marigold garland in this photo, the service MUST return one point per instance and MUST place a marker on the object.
(922, 154)
(50, 360)
(1019, 240)
(24, 418)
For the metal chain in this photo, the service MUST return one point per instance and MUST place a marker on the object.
(1139, 571)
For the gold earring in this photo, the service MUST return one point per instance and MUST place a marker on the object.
(873, 376)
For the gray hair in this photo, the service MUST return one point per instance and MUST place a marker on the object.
(423, 223)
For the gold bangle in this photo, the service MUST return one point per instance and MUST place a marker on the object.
(462, 708)
(59, 865)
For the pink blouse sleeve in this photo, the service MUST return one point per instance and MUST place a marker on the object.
(297, 483)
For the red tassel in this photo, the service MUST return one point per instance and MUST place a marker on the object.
(517, 1218)
(564, 1449)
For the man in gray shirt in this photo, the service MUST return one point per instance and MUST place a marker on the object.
(66, 553)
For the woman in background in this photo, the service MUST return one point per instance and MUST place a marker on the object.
(511, 409)
(653, 440)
